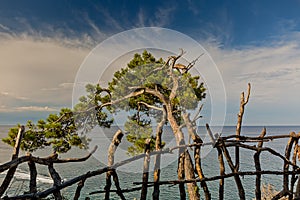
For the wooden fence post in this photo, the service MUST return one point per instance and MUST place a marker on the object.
(146, 170)
(258, 167)
(111, 155)
(10, 174)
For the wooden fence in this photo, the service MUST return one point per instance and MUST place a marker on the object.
(289, 172)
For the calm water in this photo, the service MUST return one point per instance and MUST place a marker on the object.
(127, 177)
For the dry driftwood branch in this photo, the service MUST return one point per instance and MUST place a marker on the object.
(265, 139)
(285, 191)
(42, 161)
(197, 153)
(33, 176)
(80, 185)
(87, 175)
(258, 167)
(294, 161)
(180, 174)
(146, 169)
(207, 179)
(100, 171)
(117, 138)
(270, 150)
(158, 147)
(237, 179)
(56, 181)
(193, 188)
(243, 103)
(297, 193)
(123, 190)
(221, 162)
(10, 174)
(222, 173)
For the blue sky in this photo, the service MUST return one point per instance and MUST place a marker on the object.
(43, 43)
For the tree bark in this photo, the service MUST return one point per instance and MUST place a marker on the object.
(258, 167)
(56, 181)
(193, 188)
(78, 189)
(237, 179)
(243, 102)
(111, 155)
(197, 155)
(285, 191)
(158, 146)
(146, 170)
(33, 176)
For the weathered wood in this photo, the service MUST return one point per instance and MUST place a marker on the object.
(297, 193)
(258, 167)
(193, 188)
(56, 181)
(10, 174)
(33, 176)
(270, 150)
(146, 170)
(197, 156)
(117, 138)
(180, 173)
(243, 102)
(294, 161)
(285, 191)
(80, 185)
(244, 173)
(222, 173)
(237, 179)
(158, 146)
(221, 161)
(117, 184)
(42, 161)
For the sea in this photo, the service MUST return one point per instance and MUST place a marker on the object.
(133, 173)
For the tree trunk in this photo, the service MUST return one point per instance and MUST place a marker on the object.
(197, 152)
(111, 155)
(182, 173)
(78, 189)
(258, 167)
(193, 189)
(33, 176)
(56, 181)
(146, 170)
(158, 146)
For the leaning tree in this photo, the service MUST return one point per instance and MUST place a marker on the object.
(156, 92)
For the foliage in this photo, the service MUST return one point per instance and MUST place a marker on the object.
(57, 131)
(66, 129)
(144, 71)
(137, 135)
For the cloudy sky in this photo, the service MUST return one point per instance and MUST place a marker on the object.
(43, 44)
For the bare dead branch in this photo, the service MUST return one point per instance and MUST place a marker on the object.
(197, 115)
(258, 167)
(243, 102)
(150, 106)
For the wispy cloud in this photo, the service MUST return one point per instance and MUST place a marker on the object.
(37, 72)
(161, 17)
(4, 28)
(62, 86)
(164, 15)
(36, 108)
(6, 109)
(273, 70)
